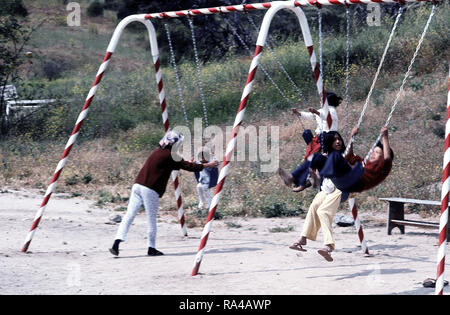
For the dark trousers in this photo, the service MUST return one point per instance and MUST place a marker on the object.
(300, 174)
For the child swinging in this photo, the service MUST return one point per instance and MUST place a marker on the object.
(206, 179)
(348, 173)
(300, 176)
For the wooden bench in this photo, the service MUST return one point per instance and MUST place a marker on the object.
(396, 214)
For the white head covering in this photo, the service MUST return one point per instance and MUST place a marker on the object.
(170, 138)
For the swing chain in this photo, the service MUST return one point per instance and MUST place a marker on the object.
(233, 29)
(347, 67)
(177, 76)
(283, 69)
(399, 14)
(405, 78)
(197, 64)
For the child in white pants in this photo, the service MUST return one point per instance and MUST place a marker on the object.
(204, 180)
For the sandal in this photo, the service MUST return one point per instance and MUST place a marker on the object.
(325, 253)
(297, 246)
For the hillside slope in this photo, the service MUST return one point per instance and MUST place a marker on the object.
(129, 119)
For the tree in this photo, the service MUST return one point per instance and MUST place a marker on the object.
(13, 37)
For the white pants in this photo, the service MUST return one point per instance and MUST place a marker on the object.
(204, 196)
(140, 195)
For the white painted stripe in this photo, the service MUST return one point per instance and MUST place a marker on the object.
(92, 92)
(239, 118)
(351, 202)
(30, 236)
(198, 257)
(165, 116)
(178, 192)
(50, 189)
(320, 84)
(441, 252)
(223, 173)
(39, 213)
(82, 116)
(215, 200)
(61, 164)
(255, 62)
(445, 188)
(158, 75)
(357, 224)
(230, 146)
(162, 96)
(72, 140)
(180, 212)
(102, 68)
(443, 220)
(207, 228)
(247, 90)
(313, 60)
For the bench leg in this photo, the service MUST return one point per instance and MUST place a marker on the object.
(396, 211)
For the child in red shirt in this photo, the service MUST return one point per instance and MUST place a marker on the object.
(349, 175)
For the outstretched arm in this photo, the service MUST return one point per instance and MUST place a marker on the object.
(295, 111)
(385, 141)
(314, 111)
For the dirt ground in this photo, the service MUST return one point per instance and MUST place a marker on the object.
(69, 255)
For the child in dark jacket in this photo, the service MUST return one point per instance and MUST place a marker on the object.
(299, 177)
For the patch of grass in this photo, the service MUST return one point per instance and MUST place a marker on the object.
(233, 225)
(280, 229)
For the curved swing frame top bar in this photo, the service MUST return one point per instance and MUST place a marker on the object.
(266, 6)
(82, 116)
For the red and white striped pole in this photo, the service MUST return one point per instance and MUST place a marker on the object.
(165, 119)
(276, 6)
(444, 203)
(358, 226)
(228, 155)
(68, 148)
(82, 116)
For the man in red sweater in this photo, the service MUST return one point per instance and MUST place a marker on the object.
(150, 185)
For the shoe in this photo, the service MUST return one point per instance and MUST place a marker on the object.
(301, 188)
(154, 252)
(285, 176)
(115, 248)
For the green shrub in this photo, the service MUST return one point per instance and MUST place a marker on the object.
(95, 9)
(280, 210)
